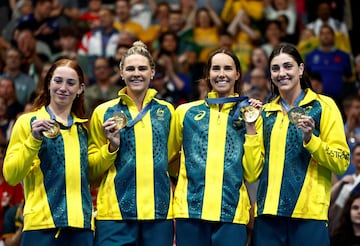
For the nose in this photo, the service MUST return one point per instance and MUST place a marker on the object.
(63, 86)
(221, 72)
(282, 71)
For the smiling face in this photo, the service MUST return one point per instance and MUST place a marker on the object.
(64, 87)
(285, 73)
(223, 74)
(136, 72)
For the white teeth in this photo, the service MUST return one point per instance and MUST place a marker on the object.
(221, 82)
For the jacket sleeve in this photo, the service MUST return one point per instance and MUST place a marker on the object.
(100, 159)
(253, 159)
(21, 152)
(330, 149)
(175, 142)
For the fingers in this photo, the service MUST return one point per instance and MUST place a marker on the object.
(110, 128)
(38, 126)
(255, 103)
(306, 123)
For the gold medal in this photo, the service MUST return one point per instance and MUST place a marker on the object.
(250, 114)
(120, 119)
(53, 131)
(295, 114)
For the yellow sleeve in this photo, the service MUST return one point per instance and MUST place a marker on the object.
(21, 151)
(100, 159)
(253, 159)
(330, 149)
(175, 141)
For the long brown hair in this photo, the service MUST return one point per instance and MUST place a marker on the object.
(43, 98)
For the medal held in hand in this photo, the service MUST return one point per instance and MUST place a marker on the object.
(250, 114)
(295, 114)
(53, 131)
(120, 119)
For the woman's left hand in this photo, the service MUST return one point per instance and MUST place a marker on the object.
(306, 124)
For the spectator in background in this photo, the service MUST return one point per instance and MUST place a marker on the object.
(272, 37)
(275, 8)
(45, 28)
(316, 83)
(9, 194)
(206, 28)
(66, 12)
(69, 43)
(254, 8)
(24, 84)
(123, 21)
(23, 7)
(141, 13)
(357, 73)
(160, 84)
(341, 190)
(91, 14)
(13, 225)
(351, 108)
(246, 35)
(259, 59)
(332, 64)
(101, 41)
(115, 61)
(347, 231)
(103, 89)
(259, 85)
(175, 71)
(34, 52)
(324, 17)
(8, 91)
(6, 6)
(6, 124)
(159, 24)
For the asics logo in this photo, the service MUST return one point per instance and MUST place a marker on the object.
(200, 115)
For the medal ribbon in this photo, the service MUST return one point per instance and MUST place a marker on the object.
(139, 116)
(241, 101)
(287, 106)
(53, 117)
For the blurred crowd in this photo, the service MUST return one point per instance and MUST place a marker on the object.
(180, 35)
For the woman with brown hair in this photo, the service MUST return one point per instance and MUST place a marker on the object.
(48, 150)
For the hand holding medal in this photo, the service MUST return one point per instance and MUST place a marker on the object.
(45, 128)
(251, 112)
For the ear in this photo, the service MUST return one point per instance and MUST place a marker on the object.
(81, 89)
(301, 69)
(237, 75)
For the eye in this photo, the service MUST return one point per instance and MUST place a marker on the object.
(228, 68)
(143, 68)
(215, 68)
(288, 66)
(275, 68)
(57, 79)
(71, 82)
(130, 68)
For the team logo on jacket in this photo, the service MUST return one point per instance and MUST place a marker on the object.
(200, 115)
(160, 114)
